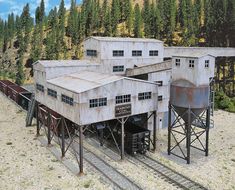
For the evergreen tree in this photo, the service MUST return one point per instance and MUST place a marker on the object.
(60, 30)
(20, 77)
(72, 28)
(108, 23)
(138, 22)
(115, 16)
(129, 16)
(146, 12)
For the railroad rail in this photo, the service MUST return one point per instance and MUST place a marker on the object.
(170, 175)
(119, 180)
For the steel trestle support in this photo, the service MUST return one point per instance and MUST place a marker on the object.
(186, 135)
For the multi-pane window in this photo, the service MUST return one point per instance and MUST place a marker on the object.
(160, 83)
(40, 87)
(52, 93)
(91, 53)
(118, 53)
(67, 99)
(144, 95)
(159, 98)
(177, 62)
(98, 102)
(153, 53)
(123, 99)
(207, 63)
(191, 63)
(118, 68)
(136, 53)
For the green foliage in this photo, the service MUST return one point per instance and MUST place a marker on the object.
(222, 101)
(20, 77)
(138, 22)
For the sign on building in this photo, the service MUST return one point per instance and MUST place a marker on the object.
(123, 110)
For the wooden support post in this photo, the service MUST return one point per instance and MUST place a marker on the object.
(37, 119)
(154, 131)
(122, 138)
(81, 150)
(48, 128)
(62, 137)
(169, 129)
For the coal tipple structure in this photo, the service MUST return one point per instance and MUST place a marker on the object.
(123, 84)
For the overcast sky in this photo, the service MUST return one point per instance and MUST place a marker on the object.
(16, 6)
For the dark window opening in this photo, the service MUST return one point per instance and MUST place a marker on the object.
(123, 99)
(191, 63)
(118, 53)
(98, 102)
(40, 87)
(177, 62)
(153, 53)
(51, 93)
(91, 53)
(144, 95)
(67, 99)
(118, 68)
(159, 98)
(136, 53)
(207, 62)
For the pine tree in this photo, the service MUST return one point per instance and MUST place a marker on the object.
(72, 28)
(138, 22)
(129, 16)
(60, 30)
(146, 12)
(20, 77)
(115, 16)
(108, 23)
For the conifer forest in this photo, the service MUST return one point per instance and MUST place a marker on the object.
(59, 34)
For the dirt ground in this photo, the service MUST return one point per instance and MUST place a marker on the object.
(26, 164)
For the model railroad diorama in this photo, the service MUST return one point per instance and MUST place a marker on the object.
(119, 96)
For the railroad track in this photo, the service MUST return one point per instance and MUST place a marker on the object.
(119, 180)
(171, 176)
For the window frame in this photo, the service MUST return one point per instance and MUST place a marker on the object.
(51, 93)
(67, 100)
(144, 95)
(118, 68)
(136, 53)
(177, 62)
(97, 102)
(120, 99)
(40, 87)
(207, 63)
(160, 98)
(92, 53)
(191, 63)
(118, 53)
(153, 53)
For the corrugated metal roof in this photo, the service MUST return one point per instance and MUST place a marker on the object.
(193, 55)
(119, 39)
(65, 63)
(87, 80)
(83, 81)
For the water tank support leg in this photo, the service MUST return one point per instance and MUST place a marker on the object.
(169, 129)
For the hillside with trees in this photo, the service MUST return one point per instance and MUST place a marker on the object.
(60, 33)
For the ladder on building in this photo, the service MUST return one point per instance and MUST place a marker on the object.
(30, 113)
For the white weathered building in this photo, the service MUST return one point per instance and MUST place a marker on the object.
(196, 68)
(118, 54)
(87, 97)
